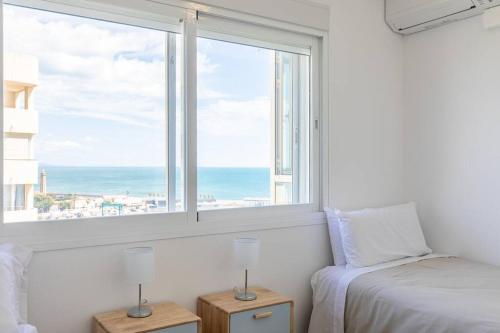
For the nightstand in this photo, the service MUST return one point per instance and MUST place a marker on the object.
(269, 313)
(166, 318)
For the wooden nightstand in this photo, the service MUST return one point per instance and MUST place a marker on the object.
(166, 318)
(269, 313)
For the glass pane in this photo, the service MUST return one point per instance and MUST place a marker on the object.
(248, 116)
(284, 116)
(20, 197)
(87, 101)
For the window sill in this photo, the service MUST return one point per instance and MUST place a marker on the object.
(50, 236)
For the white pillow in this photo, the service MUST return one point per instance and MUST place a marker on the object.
(14, 260)
(373, 236)
(335, 237)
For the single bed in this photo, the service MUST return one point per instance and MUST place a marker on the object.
(432, 293)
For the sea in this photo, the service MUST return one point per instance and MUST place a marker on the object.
(218, 183)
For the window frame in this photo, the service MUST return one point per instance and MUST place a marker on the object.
(61, 234)
(215, 28)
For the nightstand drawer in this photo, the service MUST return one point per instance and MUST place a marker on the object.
(186, 328)
(271, 319)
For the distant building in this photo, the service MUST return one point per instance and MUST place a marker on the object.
(20, 128)
(43, 182)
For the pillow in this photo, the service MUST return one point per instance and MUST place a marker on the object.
(335, 238)
(14, 260)
(373, 236)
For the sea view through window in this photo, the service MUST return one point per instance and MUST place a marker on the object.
(253, 119)
(94, 120)
(85, 109)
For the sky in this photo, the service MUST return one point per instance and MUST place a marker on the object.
(101, 95)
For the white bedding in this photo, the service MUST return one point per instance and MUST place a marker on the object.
(14, 260)
(25, 328)
(330, 291)
(376, 235)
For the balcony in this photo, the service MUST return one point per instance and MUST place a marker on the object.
(25, 215)
(20, 172)
(20, 121)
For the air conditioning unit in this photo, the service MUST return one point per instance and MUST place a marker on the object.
(409, 16)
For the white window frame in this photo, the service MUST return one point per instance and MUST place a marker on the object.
(213, 27)
(165, 15)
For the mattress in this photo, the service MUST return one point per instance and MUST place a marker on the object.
(428, 294)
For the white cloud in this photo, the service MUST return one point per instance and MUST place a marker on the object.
(91, 139)
(98, 70)
(232, 118)
(73, 35)
(205, 93)
(115, 73)
(205, 65)
(235, 133)
(206, 68)
(65, 145)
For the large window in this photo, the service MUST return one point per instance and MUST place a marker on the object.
(87, 105)
(102, 106)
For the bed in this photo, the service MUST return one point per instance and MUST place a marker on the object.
(14, 261)
(26, 328)
(428, 294)
(420, 293)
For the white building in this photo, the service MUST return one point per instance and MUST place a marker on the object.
(20, 128)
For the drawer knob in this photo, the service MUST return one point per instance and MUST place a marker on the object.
(262, 315)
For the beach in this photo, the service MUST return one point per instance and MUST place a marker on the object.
(85, 192)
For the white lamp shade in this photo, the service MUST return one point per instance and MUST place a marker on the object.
(140, 264)
(246, 252)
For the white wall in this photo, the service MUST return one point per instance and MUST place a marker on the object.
(68, 287)
(366, 96)
(301, 12)
(452, 127)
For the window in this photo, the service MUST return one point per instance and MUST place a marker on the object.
(15, 197)
(112, 111)
(253, 125)
(93, 117)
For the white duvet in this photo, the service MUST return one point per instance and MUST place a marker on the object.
(25, 328)
(330, 291)
(14, 260)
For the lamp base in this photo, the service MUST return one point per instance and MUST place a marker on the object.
(140, 312)
(245, 296)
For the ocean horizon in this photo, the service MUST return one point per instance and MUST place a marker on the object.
(217, 182)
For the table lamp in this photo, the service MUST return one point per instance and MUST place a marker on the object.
(140, 269)
(246, 256)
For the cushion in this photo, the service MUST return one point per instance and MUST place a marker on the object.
(373, 236)
(335, 237)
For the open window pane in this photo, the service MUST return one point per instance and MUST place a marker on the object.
(290, 174)
(253, 126)
(93, 122)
